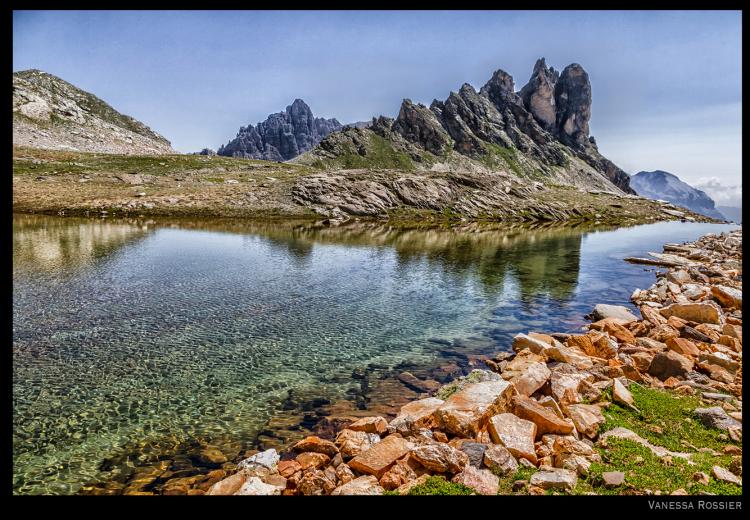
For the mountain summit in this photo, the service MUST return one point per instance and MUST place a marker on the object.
(282, 136)
(659, 184)
(49, 112)
(540, 133)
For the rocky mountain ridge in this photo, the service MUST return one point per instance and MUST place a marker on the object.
(663, 185)
(540, 133)
(282, 136)
(50, 113)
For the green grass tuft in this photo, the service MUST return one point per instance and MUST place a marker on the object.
(439, 486)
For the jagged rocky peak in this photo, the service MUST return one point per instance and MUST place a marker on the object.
(541, 131)
(418, 124)
(539, 94)
(281, 136)
(573, 100)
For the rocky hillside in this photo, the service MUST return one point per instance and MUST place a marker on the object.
(282, 136)
(540, 133)
(50, 113)
(663, 185)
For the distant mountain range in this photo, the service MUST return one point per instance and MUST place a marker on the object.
(282, 136)
(731, 213)
(659, 184)
(50, 113)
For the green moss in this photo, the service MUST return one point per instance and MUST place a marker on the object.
(379, 153)
(440, 486)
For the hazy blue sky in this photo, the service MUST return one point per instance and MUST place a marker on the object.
(666, 85)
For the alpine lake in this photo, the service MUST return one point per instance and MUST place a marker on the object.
(139, 341)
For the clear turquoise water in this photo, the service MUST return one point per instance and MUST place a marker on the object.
(127, 332)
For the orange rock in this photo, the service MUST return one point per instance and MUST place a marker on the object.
(545, 419)
(619, 332)
(370, 425)
(542, 337)
(516, 434)
(381, 456)
(311, 459)
(683, 346)
(317, 445)
(287, 468)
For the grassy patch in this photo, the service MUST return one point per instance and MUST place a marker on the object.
(379, 153)
(506, 483)
(666, 420)
(440, 486)
(644, 470)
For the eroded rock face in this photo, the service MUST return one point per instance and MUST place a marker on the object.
(573, 100)
(282, 136)
(539, 94)
(417, 124)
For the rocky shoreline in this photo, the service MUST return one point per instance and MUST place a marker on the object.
(611, 410)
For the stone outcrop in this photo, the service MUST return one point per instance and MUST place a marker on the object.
(50, 113)
(282, 136)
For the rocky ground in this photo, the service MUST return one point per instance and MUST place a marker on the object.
(649, 405)
(75, 183)
(50, 113)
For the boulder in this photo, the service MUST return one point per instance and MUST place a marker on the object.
(287, 468)
(586, 417)
(705, 312)
(475, 451)
(724, 475)
(545, 419)
(267, 460)
(622, 395)
(381, 456)
(532, 379)
(482, 481)
(255, 486)
(522, 342)
(351, 443)
(670, 364)
(315, 482)
(515, 434)
(229, 485)
(311, 459)
(418, 385)
(555, 478)
(415, 415)
(399, 474)
(603, 311)
(364, 485)
(440, 458)
(565, 387)
(376, 425)
(344, 474)
(315, 444)
(613, 478)
(728, 297)
(717, 417)
(498, 459)
(683, 346)
(466, 411)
